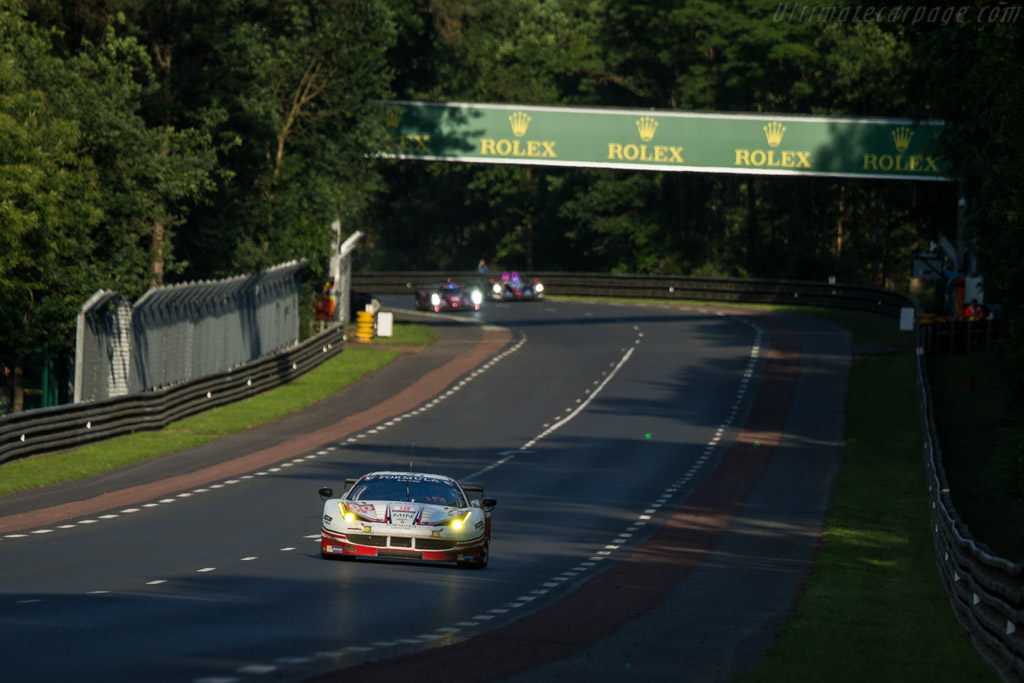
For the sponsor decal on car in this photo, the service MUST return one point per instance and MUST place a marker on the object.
(362, 510)
(405, 477)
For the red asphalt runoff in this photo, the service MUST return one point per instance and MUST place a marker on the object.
(421, 390)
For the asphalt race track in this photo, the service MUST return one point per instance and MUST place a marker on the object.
(662, 475)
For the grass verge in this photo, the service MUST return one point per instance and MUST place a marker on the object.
(403, 334)
(874, 607)
(316, 385)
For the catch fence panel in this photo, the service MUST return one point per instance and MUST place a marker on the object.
(193, 330)
(179, 333)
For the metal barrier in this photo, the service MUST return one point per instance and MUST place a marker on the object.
(671, 287)
(985, 590)
(63, 427)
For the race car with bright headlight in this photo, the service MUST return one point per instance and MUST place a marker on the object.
(407, 516)
(514, 287)
(448, 296)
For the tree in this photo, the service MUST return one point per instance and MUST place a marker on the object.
(975, 80)
(308, 77)
(49, 201)
(114, 82)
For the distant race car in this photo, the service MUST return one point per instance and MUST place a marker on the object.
(407, 516)
(448, 296)
(513, 287)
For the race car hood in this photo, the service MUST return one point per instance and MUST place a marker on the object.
(402, 513)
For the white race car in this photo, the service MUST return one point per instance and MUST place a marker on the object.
(407, 516)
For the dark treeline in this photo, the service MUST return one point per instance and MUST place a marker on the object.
(153, 141)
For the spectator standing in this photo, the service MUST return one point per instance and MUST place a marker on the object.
(974, 312)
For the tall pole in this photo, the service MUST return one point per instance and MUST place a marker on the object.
(334, 267)
(961, 217)
(343, 275)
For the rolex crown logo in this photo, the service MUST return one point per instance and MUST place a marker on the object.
(901, 136)
(520, 121)
(646, 125)
(774, 132)
(393, 116)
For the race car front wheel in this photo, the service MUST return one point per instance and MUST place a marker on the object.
(481, 562)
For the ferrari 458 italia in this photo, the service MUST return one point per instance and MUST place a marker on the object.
(407, 516)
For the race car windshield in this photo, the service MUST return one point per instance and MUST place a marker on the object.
(409, 490)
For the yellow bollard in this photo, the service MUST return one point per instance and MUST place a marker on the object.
(364, 326)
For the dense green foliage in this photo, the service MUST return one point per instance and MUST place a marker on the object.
(722, 56)
(153, 141)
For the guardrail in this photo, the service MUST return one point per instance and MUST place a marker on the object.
(855, 297)
(985, 590)
(62, 427)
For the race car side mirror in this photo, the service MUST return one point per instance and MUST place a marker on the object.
(488, 504)
(326, 492)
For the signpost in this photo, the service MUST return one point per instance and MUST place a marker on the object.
(665, 140)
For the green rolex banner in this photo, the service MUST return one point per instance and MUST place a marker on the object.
(665, 140)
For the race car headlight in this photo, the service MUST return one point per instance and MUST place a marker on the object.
(458, 522)
(477, 296)
(435, 300)
(539, 287)
(347, 514)
(496, 288)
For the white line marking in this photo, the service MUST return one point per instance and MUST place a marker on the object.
(257, 669)
(582, 406)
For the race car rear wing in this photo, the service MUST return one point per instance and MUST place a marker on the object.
(476, 496)
(470, 490)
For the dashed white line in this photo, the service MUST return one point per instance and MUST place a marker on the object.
(257, 669)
